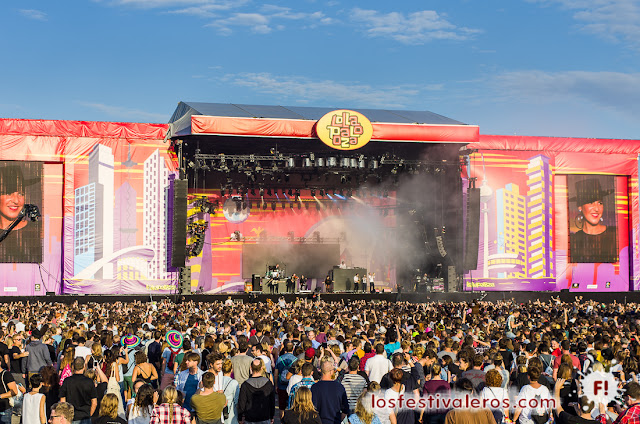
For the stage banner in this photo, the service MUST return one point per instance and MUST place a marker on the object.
(247, 234)
(104, 221)
(554, 218)
(516, 218)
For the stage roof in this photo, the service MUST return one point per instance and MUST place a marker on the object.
(193, 118)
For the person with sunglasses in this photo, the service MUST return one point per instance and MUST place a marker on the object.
(61, 413)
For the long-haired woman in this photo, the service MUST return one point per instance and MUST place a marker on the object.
(302, 411)
(65, 364)
(364, 413)
(144, 370)
(170, 411)
(109, 411)
(140, 410)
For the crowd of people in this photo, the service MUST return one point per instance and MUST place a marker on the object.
(358, 362)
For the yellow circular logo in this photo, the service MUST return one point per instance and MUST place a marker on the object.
(344, 129)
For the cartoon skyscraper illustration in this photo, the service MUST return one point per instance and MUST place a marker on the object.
(156, 181)
(511, 229)
(539, 218)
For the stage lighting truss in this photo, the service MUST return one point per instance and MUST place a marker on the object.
(196, 232)
(205, 206)
(279, 163)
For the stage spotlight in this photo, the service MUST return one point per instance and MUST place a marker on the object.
(297, 193)
(332, 162)
(306, 205)
(349, 193)
(284, 205)
(290, 192)
(264, 206)
(291, 205)
(313, 192)
(273, 206)
(342, 192)
(299, 205)
(261, 192)
(343, 179)
(353, 162)
(268, 192)
(320, 162)
(291, 163)
(222, 192)
(322, 192)
(306, 163)
(253, 191)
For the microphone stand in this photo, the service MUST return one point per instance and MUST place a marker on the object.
(34, 214)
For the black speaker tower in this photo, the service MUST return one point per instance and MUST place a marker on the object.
(472, 236)
(179, 224)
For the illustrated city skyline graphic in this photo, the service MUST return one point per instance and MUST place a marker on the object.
(105, 221)
(520, 246)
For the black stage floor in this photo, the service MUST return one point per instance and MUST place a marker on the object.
(519, 297)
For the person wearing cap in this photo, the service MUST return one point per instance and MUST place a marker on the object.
(594, 241)
(38, 356)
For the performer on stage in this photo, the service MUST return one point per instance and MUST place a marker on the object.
(372, 284)
(274, 277)
(328, 284)
(290, 285)
(343, 265)
(356, 282)
(303, 283)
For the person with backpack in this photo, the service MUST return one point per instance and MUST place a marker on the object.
(169, 354)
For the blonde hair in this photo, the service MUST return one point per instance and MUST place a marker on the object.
(109, 406)
(364, 409)
(170, 396)
(302, 404)
(96, 350)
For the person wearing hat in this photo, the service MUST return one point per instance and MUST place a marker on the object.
(594, 241)
(19, 245)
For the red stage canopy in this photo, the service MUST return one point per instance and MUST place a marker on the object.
(293, 128)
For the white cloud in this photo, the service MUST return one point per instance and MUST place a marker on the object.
(36, 15)
(615, 91)
(266, 20)
(413, 28)
(126, 114)
(302, 90)
(616, 20)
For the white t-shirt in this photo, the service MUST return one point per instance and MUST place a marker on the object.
(528, 393)
(377, 366)
(82, 351)
(296, 378)
(267, 363)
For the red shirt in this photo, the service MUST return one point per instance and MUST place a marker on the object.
(366, 356)
(630, 416)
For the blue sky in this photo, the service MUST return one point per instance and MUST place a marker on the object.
(526, 67)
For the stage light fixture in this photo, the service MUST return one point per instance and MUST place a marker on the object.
(261, 192)
(299, 205)
(291, 205)
(349, 193)
(344, 162)
(320, 162)
(222, 192)
(290, 192)
(306, 205)
(342, 192)
(353, 162)
(273, 206)
(385, 193)
(322, 192)
(306, 163)
(253, 191)
(313, 192)
(332, 162)
(264, 205)
(284, 205)
(297, 193)
(268, 192)
(343, 179)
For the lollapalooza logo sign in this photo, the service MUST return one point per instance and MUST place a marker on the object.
(344, 129)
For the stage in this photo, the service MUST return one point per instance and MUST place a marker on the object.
(412, 297)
